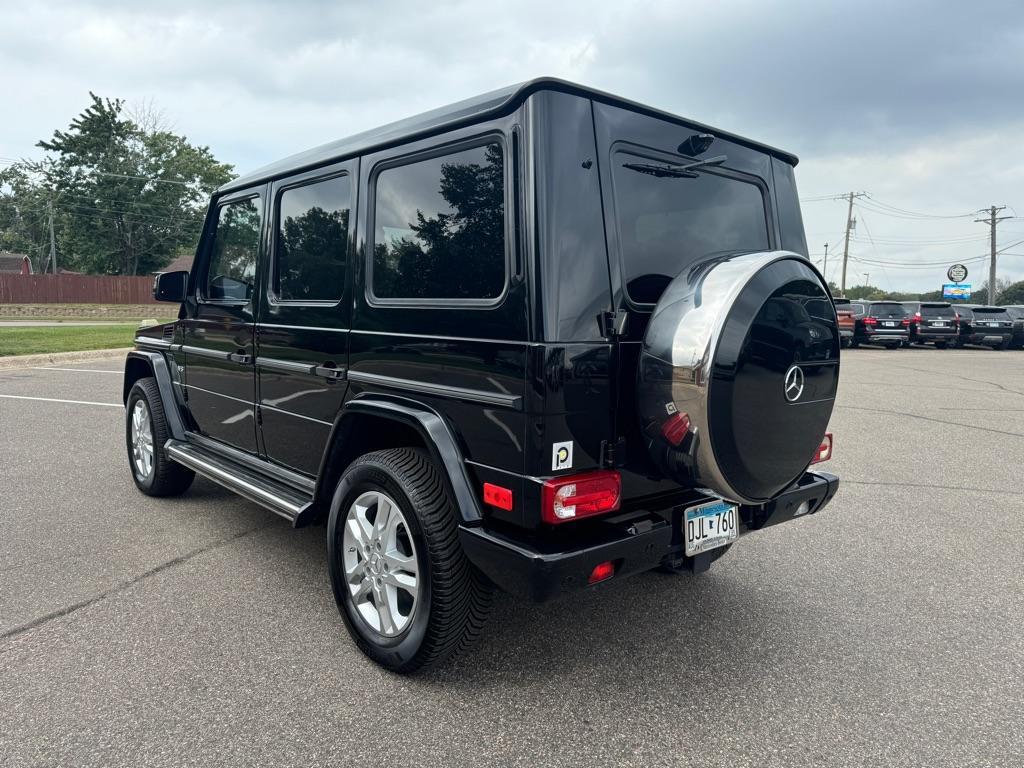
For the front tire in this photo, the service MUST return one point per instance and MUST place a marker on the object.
(408, 595)
(146, 433)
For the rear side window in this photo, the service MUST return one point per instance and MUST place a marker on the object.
(439, 227)
(937, 310)
(888, 310)
(312, 241)
(964, 312)
(858, 309)
(667, 223)
(232, 266)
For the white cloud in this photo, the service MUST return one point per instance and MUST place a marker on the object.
(913, 101)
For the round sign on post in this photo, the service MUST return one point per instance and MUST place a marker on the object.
(957, 273)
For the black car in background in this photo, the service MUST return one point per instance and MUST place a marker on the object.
(932, 322)
(987, 326)
(1016, 313)
(880, 322)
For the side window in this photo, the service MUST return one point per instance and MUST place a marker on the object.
(439, 227)
(232, 266)
(312, 241)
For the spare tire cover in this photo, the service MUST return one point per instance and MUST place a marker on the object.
(746, 350)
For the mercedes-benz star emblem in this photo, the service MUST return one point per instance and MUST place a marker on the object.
(794, 384)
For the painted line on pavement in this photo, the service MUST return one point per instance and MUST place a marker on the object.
(56, 400)
(82, 370)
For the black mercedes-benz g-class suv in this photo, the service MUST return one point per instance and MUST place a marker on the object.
(539, 340)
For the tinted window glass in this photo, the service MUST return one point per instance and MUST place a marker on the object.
(232, 267)
(1015, 313)
(940, 310)
(668, 223)
(312, 241)
(439, 227)
(858, 309)
(888, 310)
(990, 313)
(819, 308)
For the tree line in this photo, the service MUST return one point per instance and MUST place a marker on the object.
(1006, 293)
(116, 193)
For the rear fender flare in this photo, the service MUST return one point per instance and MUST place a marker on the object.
(426, 422)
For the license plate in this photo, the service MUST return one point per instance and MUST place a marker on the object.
(889, 325)
(709, 526)
(939, 323)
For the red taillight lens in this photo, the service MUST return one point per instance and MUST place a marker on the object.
(870, 321)
(602, 571)
(824, 450)
(906, 320)
(497, 496)
(675, 428)
(575, 496)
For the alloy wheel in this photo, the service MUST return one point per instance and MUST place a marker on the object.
(142, 440)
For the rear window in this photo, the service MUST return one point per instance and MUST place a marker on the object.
(963, 311)
(888, 310)
(819, 308)
(991, 313)
(667, 223)
(937, 310)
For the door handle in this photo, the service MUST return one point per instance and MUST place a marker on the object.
(241, 356)
(329, 371)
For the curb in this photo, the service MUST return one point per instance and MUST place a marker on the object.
(29, 361)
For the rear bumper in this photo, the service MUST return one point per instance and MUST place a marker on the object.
(935, 334)
(636, 542)
(891, 337)
(986, 338)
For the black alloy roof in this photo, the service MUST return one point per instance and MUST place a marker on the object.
(485, 106)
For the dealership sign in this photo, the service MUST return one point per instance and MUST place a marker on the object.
(961, 291)
(957, 273)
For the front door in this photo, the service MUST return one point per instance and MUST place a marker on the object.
(303, 329)
(219, 343)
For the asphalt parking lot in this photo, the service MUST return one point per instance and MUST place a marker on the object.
(888, 630)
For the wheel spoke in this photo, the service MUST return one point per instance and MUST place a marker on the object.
(362, 593)
(387, 621)
(357, 530)
(404, 581)
(384, 517)
(396, 561)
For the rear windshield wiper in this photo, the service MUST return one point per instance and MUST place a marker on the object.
(673, 171)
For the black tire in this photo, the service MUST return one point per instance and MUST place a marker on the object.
(454, 599)
(166, 477)
(854, 343)
(844, 343)
(940, 345)
(1002, 346)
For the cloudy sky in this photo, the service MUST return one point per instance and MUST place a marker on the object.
(921, 105)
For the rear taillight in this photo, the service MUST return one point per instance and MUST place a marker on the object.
(824, 452)
(576, 496)
(870, 321)
(917, 317)
(906, 320)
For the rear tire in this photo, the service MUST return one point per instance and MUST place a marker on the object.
(409, 600)
(940, 345)
(854, 343)
(146, 433)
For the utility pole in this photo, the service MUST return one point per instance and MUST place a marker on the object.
(867, 278)
(53, 242)
(846, 240)
(824, 266)
(992, 220)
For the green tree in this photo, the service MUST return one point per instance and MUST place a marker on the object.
(980, 294)
(1012, 294)
(126, 196)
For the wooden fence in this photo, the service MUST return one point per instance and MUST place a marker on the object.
(75, 289)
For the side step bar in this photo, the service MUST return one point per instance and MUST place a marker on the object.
(290, 503)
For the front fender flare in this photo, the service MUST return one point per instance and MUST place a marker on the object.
(157, 364)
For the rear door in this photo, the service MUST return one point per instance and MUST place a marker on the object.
(218, 328)
(305, 312)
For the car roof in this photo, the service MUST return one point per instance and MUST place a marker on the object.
(461, 113)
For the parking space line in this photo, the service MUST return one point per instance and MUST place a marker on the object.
(76, 370)
(57, 400)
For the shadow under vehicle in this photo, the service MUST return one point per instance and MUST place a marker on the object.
(537, 340)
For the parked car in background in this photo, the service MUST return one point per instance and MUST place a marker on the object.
(987, 326)
(932, 322)
(844, 315)
(1016, 313)
(880, 322)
